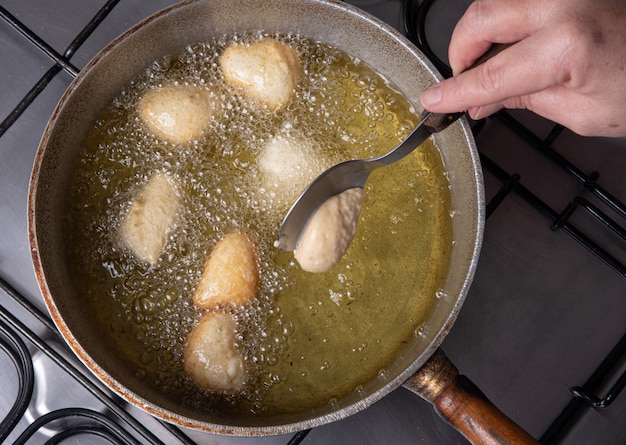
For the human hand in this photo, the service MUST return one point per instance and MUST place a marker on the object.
(568, 65)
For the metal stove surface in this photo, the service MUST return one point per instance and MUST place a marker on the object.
(543, 313)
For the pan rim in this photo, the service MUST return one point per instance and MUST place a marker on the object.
(167, 414)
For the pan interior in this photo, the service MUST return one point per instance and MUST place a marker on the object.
(335, 24)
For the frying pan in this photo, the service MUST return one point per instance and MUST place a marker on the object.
(421, 366)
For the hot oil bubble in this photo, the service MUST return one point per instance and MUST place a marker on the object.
(420, 332)
(441, 294)
(383, 374)
(334, 403)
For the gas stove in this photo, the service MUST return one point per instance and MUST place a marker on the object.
(543, 329)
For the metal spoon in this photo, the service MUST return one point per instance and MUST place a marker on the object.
(351, 174)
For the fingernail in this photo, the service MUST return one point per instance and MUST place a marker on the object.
(484, 111)
(431, 96)
(475, 113)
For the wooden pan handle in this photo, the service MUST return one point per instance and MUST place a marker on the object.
(461, 403)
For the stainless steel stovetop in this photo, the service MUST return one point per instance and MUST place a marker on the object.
(546, 311)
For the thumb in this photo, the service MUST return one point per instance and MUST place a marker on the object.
(431, 97)
(455, 94)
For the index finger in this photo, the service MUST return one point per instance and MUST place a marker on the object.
(490, 21)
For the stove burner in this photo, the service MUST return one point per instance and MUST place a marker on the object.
(16, 350)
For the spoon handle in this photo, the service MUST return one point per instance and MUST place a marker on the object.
(430, 123)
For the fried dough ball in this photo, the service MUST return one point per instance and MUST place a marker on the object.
(151, 215)
(230, 274)
(329, 232)
(287, 164)
(211, 357)
(267, 71)
(177, 113)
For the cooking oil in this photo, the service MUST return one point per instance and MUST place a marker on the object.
(307, 338)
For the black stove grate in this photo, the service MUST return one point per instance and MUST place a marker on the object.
(583, 397)
(62, 61)
(122, 427)
(560, 221)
